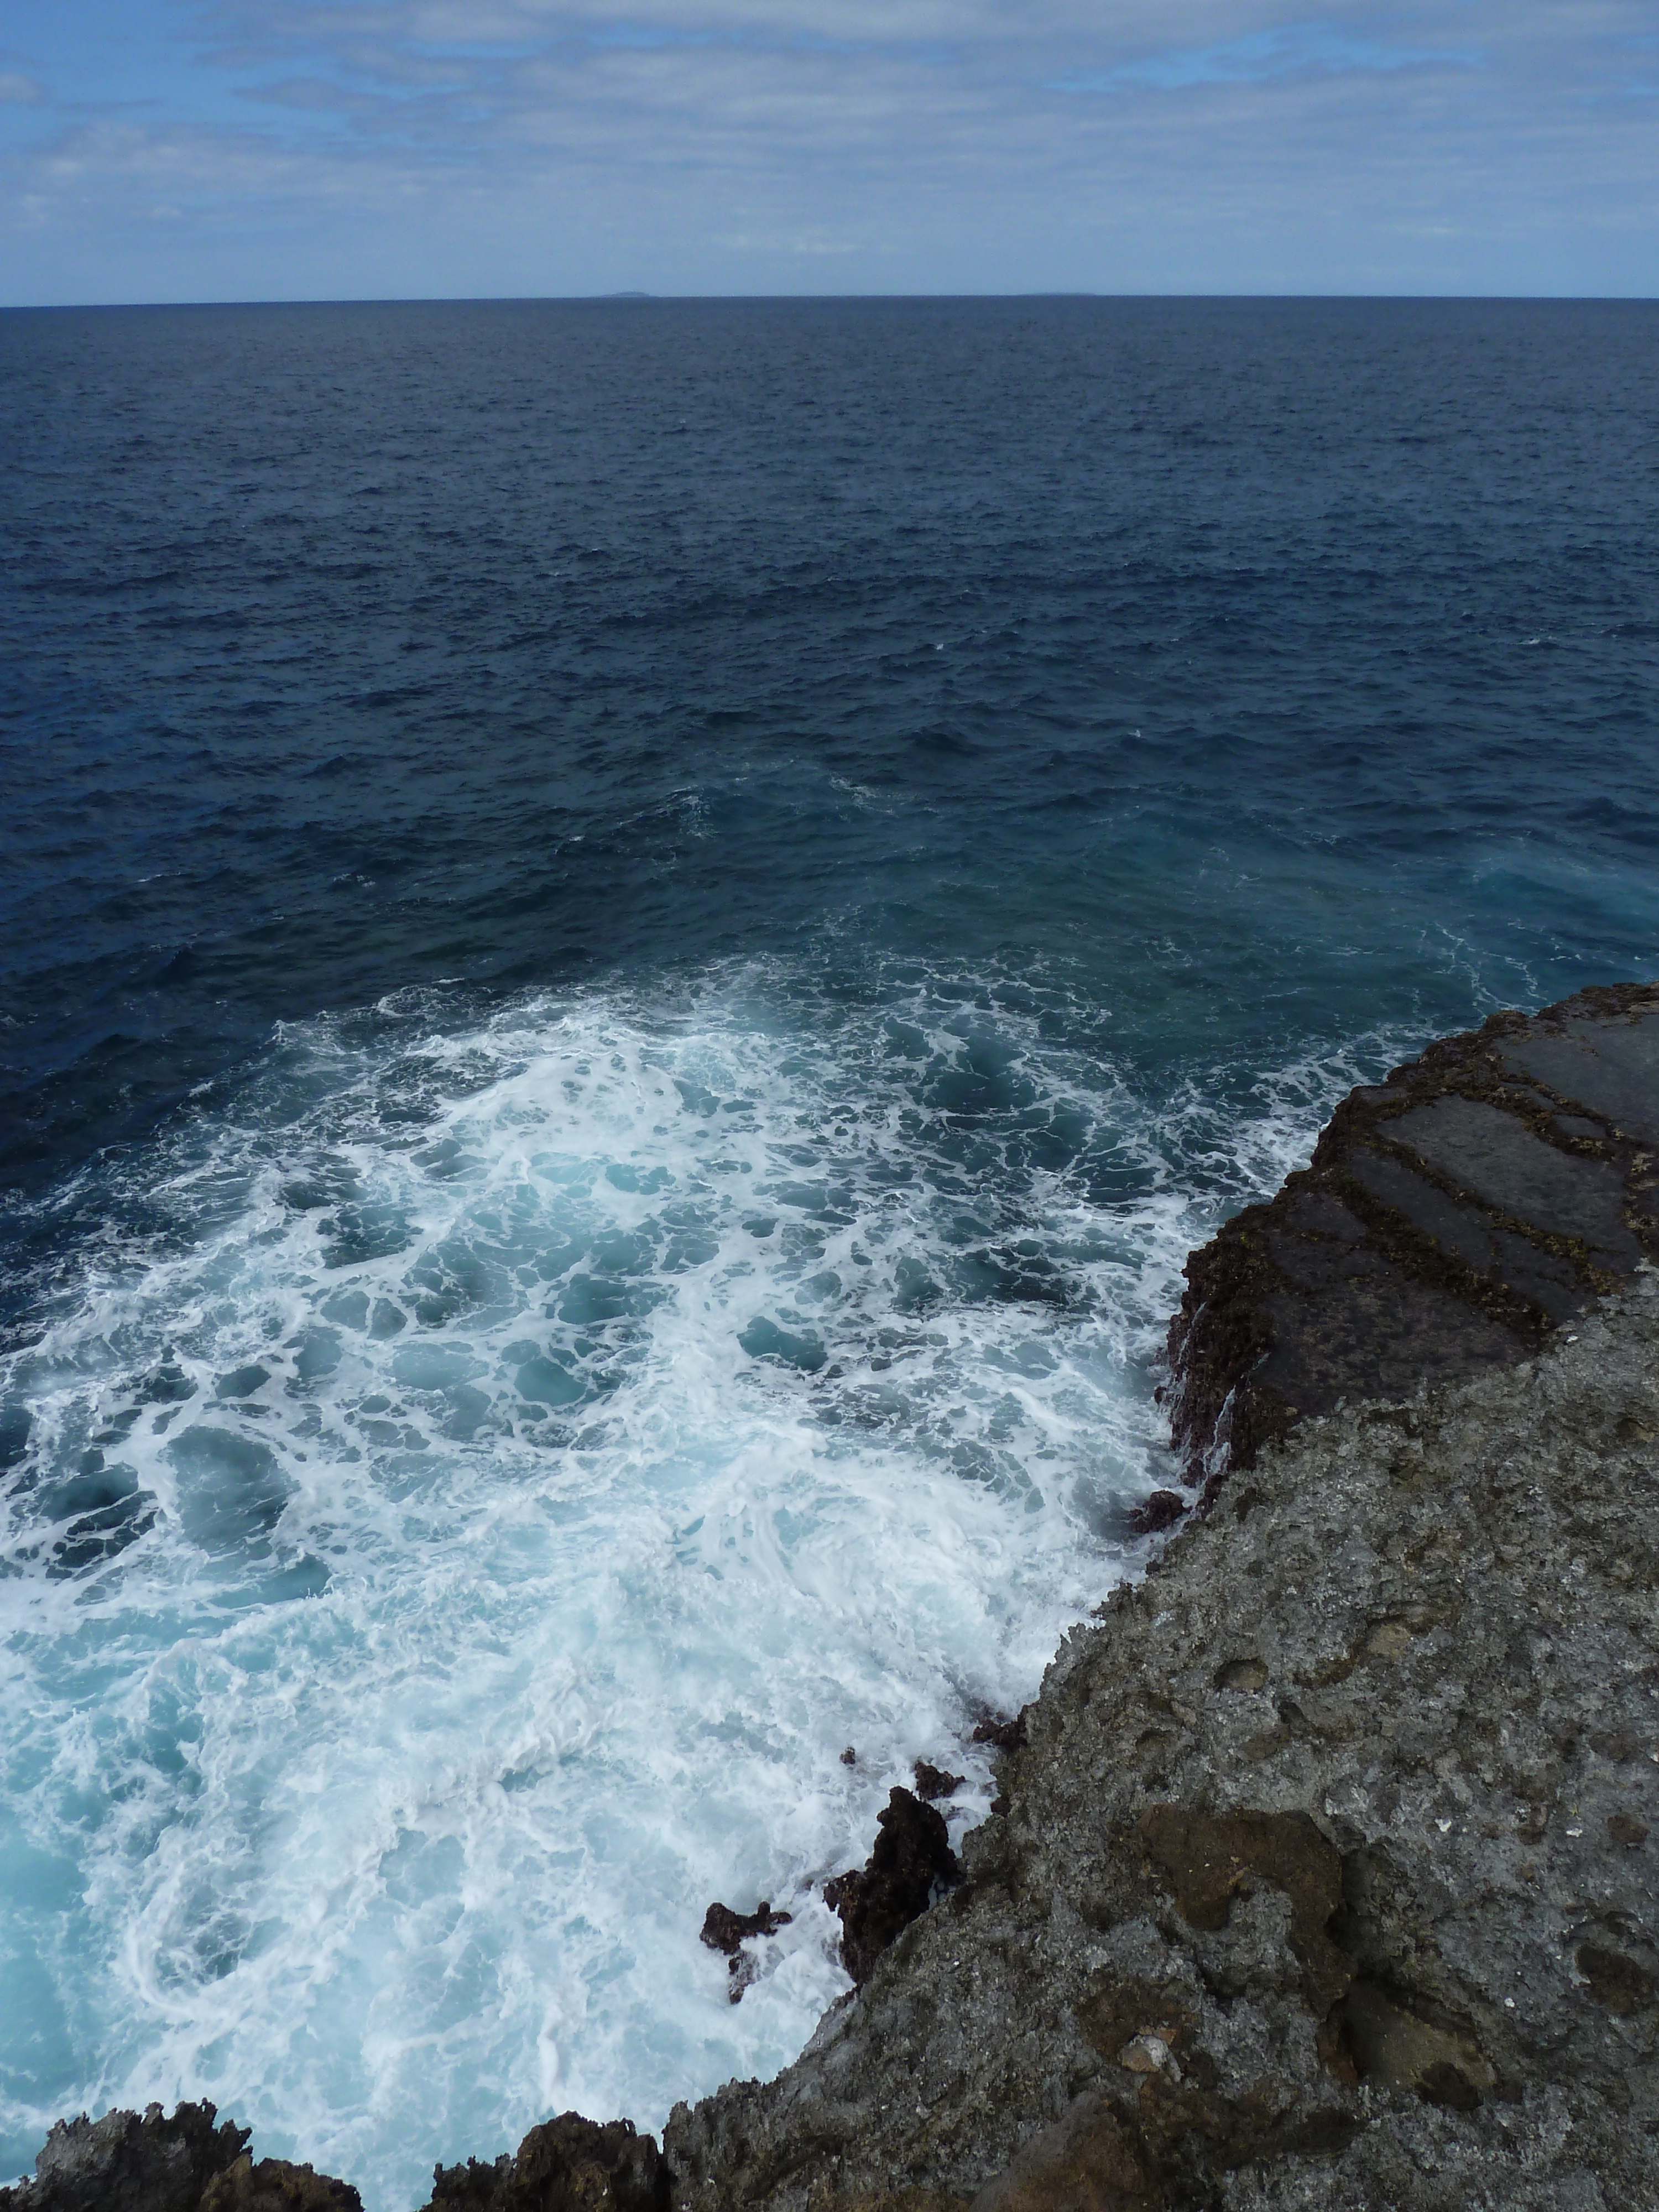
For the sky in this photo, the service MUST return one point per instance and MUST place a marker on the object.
(252, 149)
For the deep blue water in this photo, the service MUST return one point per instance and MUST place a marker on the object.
(635, 937)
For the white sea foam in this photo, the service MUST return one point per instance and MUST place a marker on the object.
(472, 1503)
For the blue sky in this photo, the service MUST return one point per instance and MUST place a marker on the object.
(180, 149)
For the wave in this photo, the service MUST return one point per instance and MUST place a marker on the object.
(471, 1483)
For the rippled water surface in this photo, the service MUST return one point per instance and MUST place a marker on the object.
(636, 937)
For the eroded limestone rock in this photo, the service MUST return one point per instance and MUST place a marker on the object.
(1327, 1879)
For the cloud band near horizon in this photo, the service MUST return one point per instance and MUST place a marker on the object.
(281, 148)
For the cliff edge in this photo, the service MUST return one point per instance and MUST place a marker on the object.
(1328, 1874)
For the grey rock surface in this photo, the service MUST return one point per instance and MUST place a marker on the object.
(1328, 1872)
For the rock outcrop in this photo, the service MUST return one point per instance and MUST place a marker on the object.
(565, 2165)
(1453, 1217)
(275, 2186)
(130, 2162)
(1327, 1877)
(910, 1867)
(727, 1931)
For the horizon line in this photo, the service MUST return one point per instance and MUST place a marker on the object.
(629, 298)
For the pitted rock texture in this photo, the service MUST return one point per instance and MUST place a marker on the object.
(1453, 1217)
(565, 2165)
(1327, 1875)
(275, 2186)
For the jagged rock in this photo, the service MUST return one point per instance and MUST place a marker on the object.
(1452, 1219)
(933, 1783)
(128, 2162)
(911, 1861)
(1006, 1735)
(565, 2165)
(727, 1931)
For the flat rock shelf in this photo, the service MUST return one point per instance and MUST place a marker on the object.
(1324, 1871)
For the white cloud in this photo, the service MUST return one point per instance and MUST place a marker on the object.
(525, 145)
(15, 86)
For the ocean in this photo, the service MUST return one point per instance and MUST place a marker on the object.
(637, 937)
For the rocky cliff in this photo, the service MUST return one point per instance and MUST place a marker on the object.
(1327, 1876)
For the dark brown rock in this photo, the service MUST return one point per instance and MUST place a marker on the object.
(1118, 2011)
(933, 1783)
(1453, 1217)
(1209, 1859)
(724, 1929)
(1159, 1511)
(1615, 1981)
(728, 1931)
(1394, 2046)
(1089, 2161)
(128, 2162)
(567, 2165)
(275, 2186)
(1006, 1735)
(912, 1860)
